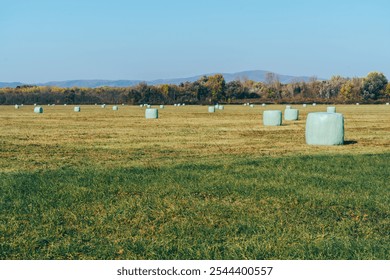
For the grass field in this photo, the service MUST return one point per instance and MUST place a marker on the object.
(103, 184)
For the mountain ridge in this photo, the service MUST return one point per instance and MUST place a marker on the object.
(255, 75)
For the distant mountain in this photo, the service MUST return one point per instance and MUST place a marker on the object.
(255, 75)
(11, 85)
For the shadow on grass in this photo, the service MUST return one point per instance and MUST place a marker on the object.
(350, 142)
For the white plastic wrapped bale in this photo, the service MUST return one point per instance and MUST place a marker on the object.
(161, 106)
(288, 106)
(263, 105)
(244, 104)
(211, 109)
(291, 114)
(16, 106)
(304, 105)
(151, 113)
(148, 106)
(387, 103)
(216, 106)
(65, 104)
(103, 106)
(314, 104)
(331, 109)
(221, 107)
(272, 117)
(115, 108)
(252, 105)
(141, 105)
(38, 110)
(325, 129)
(357, 104)
(76, 109)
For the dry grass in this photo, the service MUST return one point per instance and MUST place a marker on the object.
(60, 137)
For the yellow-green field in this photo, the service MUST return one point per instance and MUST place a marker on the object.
(60, 137)
(104, 184)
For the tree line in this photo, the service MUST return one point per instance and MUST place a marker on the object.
(373, 88)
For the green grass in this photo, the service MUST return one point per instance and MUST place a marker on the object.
(228, 207)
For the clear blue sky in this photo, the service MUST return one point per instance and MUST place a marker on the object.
(91, 39)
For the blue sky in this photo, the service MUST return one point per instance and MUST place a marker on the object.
(83, 39)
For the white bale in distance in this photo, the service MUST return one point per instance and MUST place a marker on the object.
(263, 105)
(38, 110)
(151, 113)
(65, 105)
(244, 104)
(304, 105)
(331, 109)
(252, 105)
(76, 109)
(291, 114)
(324, 129)
(95, 104)
(178, 104)
(148, 106)
(16, 106)
(357, 104)
(115, 108)
(161, 106)
(288, 106)
(216, 106)
(123, 104)
(387, 103)
(211, 109)
(21, 105)
(272, 117)
(35, 104)
(314, 104)
(220, 107)
(183, 104)
(103, 106)
(141, 105)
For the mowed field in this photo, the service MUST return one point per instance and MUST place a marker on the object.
(104, 184)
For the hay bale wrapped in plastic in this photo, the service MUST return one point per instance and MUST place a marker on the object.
(115, 108)
(387, 104)
(291, 114)
(148, 106)
(314, 104)
(288, 106)
(263, 104)
(161, 106)
(16, 106)
(141, 105)
(221, 107)
(103, 106)
(252, 105)
(325, 129)
(272, 118)
(76, 109)
(304, 105)
(38, 110)
(357, 104)
(331, 109)
(151, 113)
(211, 109)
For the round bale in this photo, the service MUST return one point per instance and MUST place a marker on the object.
(161, 106)
(221, 107)
(331, 109)
(272, 118)
(324, 129)
(288, 106)
(103, 106)
(38, 110)
(291, 114)
(263, 105)
(16, 106)
(115, 108)
(211, 109)
(151, 113)
(304, 105)
(76, 109)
